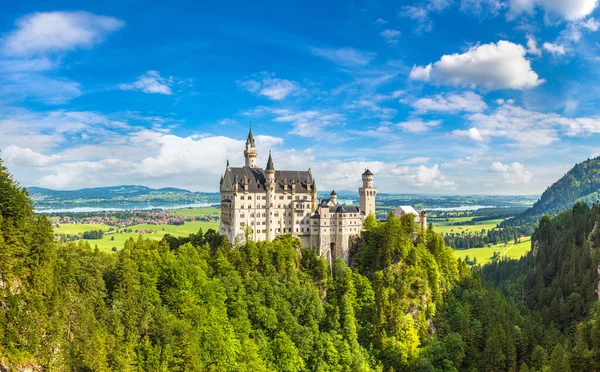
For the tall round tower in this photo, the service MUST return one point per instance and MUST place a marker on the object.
(270, 186)
(250, 152)
(367, 193)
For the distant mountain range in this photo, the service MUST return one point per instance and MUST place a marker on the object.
(581, 183)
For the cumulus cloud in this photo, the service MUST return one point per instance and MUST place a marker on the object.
(472, 134)
(429, 177)
(532, 47)
(150, 82)
(57, 31)
(346, 57)
(451, 102)
(513, 174)
(418, 125)
(570, 10)
(31, 53)
(491, 66)
(391, 36)
(14, 155)
(555, 49)
(266, 84)
(526, 128)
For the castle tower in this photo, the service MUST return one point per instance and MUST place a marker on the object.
(270, 186)
(367, 193)
(250, 151)
(333, 197)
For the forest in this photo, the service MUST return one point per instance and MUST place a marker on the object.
(199, 304)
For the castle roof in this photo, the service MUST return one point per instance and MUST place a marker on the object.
(405, 209)
(270, 166)
(368, 173)
(250, 139)
(256, 180)
(344, 209)
(333, 193)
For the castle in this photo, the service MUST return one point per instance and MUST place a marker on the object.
(266, 203)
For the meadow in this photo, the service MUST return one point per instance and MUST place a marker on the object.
(484, 255)
(117, 239)
(445, 227)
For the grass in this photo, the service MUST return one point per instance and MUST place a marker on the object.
(198, 212)
(443, 227)
(76, 228)
(484, 255)
(159, 231)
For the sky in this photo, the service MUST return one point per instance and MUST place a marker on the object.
(434, 96)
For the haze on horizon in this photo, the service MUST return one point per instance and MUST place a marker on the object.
(435, 97)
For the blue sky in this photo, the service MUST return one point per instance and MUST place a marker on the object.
(439, 96)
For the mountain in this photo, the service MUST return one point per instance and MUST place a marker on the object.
(125, 196)
(581, 183)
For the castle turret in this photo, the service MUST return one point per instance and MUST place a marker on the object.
(333, 197)
(250, 151)
(367, 193)
(270, 186)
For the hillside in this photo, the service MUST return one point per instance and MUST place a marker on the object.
(125, 196)
(581, 183)
(198, 303)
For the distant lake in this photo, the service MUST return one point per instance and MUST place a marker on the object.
(125, 208)
(462, 208)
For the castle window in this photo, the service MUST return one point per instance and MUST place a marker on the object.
(289, 197)
(242, 197)
(305, 197)
(242, 224)
(242, 206)
(249, 197)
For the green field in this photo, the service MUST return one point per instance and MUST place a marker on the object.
(443, 227)
(76, 228)
(159, 231)
(484, 255)
(198, 212)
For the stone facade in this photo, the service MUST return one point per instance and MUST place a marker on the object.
(265, 203)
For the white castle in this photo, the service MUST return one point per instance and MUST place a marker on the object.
(266, 203)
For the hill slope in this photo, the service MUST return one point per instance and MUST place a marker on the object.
(116, 196)
(581, 183)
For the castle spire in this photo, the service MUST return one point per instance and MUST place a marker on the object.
(270, 166)
(250, 138)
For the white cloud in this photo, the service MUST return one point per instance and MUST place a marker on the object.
(391, 36)
(38, 33)
(532, 47)
(430, 177)
(14, 155)
(472, 134)
(570, 10)
(590, 24)
(381, 21)
(150, 82)
(555, 49)
(482, 8)
(269, 86)
(525, 128)
(488, 66)
(308, 123)
(346, 57)
(418, 125)
(513, 174)
(451, 102)
(420, 13)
